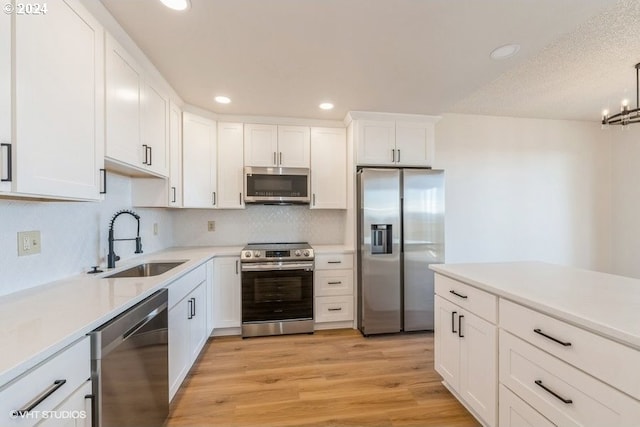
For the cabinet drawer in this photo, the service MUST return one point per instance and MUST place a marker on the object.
(592, 353)
(181, 287)
(560, 392)
(473, 299)
(333, 261)
(514, 412)
(72, 364)
(333, 282)
(333, 309)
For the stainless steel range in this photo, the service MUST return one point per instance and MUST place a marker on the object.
(277, 289)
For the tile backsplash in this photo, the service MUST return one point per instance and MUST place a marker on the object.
(259, 223)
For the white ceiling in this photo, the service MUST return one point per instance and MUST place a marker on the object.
(284, 57)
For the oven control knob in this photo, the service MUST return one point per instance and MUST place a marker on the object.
(247, 254)
(297, 252)
(305, 253)
(257, 254)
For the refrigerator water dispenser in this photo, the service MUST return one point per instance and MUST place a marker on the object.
(381, 238)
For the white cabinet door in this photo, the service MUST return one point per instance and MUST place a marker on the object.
(155, 129)
(179, 339)
(175, 156)
(230, 165)
(197, 321)
(328, 168)
(198, 162)
(294, 146)
(227, 292)
(59, 95)
(414, 143)
(376, 142)
(514, 412)
(75, 411)
(123, 101)
(478, 365)
(5, 100)
(260, 145)
(446, 341)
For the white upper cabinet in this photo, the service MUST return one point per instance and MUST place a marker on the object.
(5, 100)
(328, 168)
(276, 146)
(376, 142)
(175, 156)
(394, 140)
(123, 115)
(199, 162)
(260, 145)
(137, 114)
(294, 146)
(414, 143)
(155, 130)
(230, 165)
(58, 104)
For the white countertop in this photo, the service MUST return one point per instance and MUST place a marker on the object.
(38, 322)
(603, 303)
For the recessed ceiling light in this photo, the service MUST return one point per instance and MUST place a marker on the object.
(326, 106)
(222, 99)
(504, 52)
(177, 4)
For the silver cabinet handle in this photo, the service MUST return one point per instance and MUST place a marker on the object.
(213, 198)
(393, 155)
(40, 398)
(274, 158)
(398, 155)
(314, 199)
(281, 157)
(334, 262)
(339, 282)
(240, 199)
(336, 309)
(236, 266)
(173, 189)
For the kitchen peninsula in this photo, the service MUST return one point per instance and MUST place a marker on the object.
(550, 343)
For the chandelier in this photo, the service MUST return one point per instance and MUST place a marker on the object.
(625, 116)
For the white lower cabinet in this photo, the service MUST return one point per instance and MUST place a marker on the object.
(514, 412)
(227, 294)
(333, 290)
(63, 380)
(466, 356)
(187, 324)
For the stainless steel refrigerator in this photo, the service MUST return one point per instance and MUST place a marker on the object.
(400, 232)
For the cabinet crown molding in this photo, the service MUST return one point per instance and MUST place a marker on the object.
(372, 115)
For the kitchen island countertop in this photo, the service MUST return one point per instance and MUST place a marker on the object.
(603, 303)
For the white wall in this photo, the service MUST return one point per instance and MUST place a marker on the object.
(74, 235)
(259, 223)
(625, 254)
(525, 189)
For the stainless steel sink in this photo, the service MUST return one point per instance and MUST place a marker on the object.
(147, 269)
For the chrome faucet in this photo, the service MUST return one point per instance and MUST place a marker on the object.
(112, 257)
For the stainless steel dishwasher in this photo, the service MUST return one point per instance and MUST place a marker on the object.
(129, 366)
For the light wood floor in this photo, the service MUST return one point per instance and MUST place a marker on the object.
(330, 378)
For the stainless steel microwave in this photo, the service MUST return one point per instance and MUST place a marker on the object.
(276, 185)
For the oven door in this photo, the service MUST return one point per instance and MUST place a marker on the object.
(274, 295)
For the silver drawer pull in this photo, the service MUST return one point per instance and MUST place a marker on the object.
(459, 295)
(336, 309)
(549, 337)
(335, 283)
(40, 398)
(553, 393)
(334, 262)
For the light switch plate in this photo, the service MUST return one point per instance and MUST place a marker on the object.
(28, 243)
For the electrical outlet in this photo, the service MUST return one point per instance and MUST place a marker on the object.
(211, 225)
(28, 242)
(155, 228)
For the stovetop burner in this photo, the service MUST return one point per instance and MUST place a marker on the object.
(282, 252)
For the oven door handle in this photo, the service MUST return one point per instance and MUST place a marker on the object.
(305, 266)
